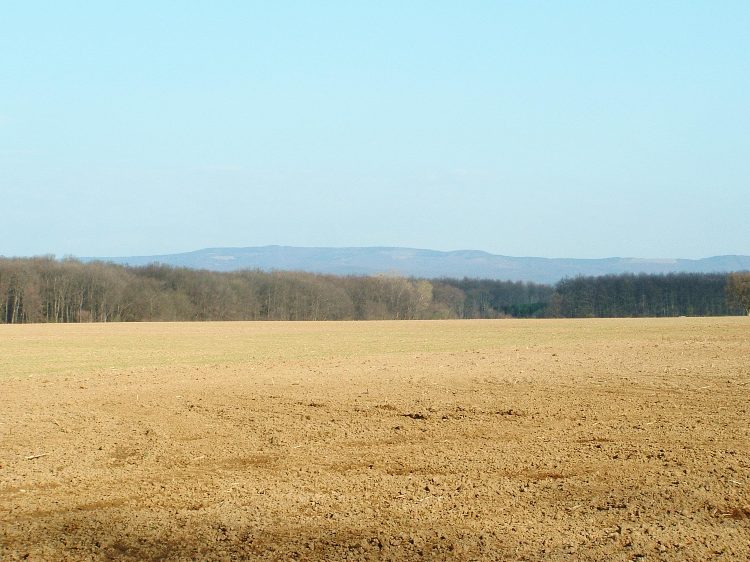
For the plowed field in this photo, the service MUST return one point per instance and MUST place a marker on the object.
(465, 440)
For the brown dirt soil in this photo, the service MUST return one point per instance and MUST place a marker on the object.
(466, 440)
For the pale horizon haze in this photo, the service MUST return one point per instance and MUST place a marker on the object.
(552, 129)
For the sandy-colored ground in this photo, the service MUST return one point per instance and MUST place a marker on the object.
(583, 439)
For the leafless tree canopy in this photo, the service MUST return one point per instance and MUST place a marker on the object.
(48, 290)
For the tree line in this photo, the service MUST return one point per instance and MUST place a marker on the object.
(674, 294)
(44, 289)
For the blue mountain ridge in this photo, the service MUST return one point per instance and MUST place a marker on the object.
(411, 262)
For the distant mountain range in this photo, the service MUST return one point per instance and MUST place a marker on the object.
(426, 263)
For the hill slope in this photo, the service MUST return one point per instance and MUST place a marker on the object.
(427, 263)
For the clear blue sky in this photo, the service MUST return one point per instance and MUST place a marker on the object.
(526, 128)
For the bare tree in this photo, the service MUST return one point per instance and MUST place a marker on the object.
(738, 290)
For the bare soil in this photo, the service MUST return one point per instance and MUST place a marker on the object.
(465, 440)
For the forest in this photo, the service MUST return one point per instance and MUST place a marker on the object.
(44, 289)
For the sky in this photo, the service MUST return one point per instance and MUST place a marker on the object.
(524, 128)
